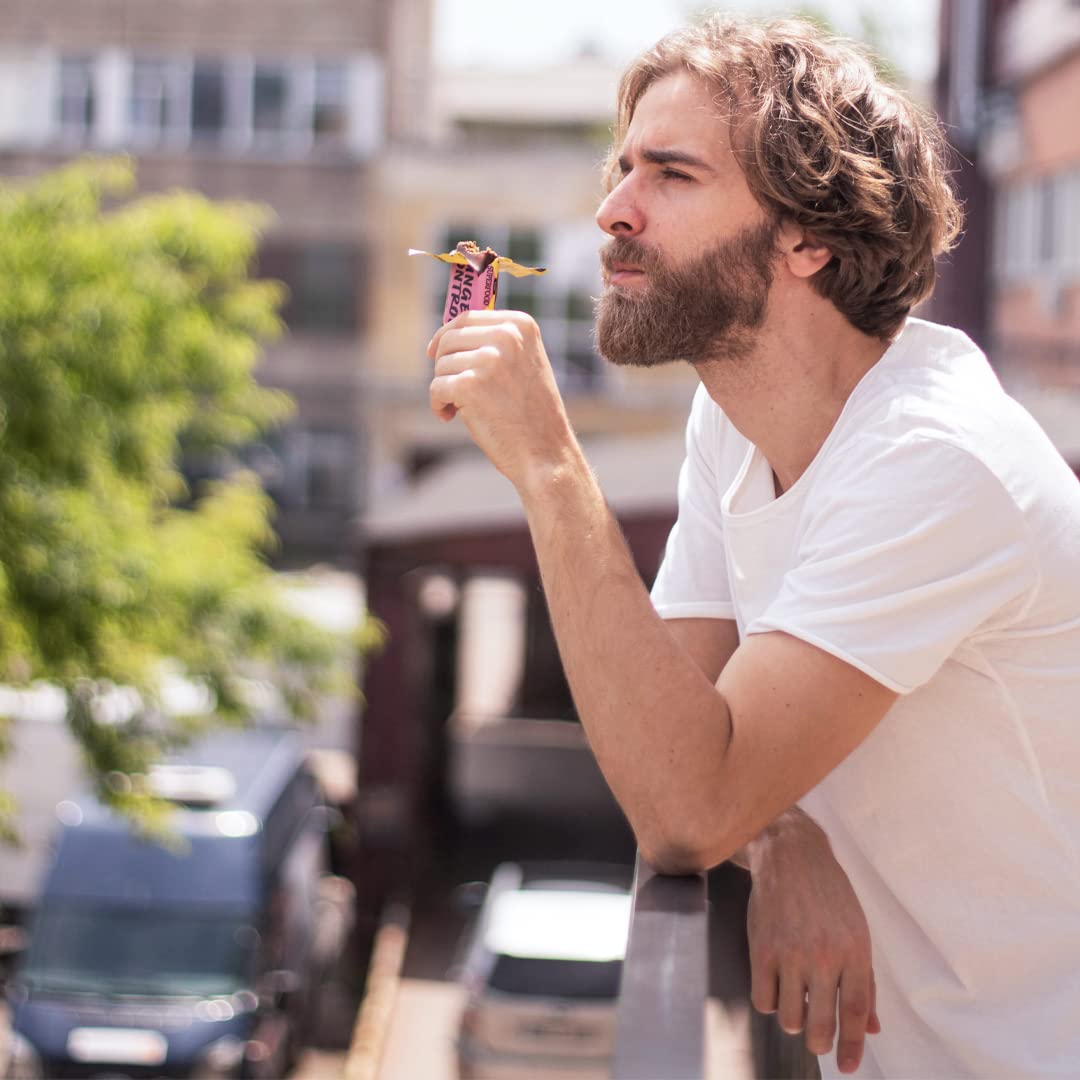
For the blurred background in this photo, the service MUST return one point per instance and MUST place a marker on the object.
(372, 126)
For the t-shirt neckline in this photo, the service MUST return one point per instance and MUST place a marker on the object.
(793, 496)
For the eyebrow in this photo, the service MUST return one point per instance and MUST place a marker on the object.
(666, 157)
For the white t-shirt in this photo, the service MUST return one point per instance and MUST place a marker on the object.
(933, 543)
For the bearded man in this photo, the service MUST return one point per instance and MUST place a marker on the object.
(859, 667)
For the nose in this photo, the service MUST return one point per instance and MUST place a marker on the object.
(619, 214)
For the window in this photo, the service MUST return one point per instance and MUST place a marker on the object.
(208, 100)
(323, 282)
(329, 117)
(304, 468)
(158, 106)
(560, 301)
(1071, 222)
(1046, 192)
(319, 465)
(1017, 230)
(270, 99)
(139, 950)
(1037, 227)
(76, 104)
(235, 103)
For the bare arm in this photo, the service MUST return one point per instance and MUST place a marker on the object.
(781, 715)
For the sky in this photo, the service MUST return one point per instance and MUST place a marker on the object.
(532, 33)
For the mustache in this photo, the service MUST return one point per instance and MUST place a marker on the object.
(626, 251)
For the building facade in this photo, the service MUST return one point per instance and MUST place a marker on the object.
(283, 104)
(1009, 92)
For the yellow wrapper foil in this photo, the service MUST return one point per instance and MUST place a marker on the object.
(474, 276)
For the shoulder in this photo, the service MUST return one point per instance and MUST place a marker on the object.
(934, 397)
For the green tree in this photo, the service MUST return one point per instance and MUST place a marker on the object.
(129, 330)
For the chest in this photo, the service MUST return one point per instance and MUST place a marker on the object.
(762, 532)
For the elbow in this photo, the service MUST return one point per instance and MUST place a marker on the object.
(681, 854)
(676, 862)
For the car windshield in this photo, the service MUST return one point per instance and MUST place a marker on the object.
(558, 939)
(134, 951)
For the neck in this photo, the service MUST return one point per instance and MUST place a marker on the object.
(786, 389)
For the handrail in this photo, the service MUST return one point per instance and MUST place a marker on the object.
(660, 1020)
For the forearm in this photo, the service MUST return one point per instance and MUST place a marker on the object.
(633, 685)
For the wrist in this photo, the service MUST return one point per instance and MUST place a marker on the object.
(552, 478)
(792, 831)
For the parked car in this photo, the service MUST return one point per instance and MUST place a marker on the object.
(542, 971)
(198, 957)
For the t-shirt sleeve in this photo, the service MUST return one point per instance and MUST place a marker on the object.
(692, 582)
(920, 548)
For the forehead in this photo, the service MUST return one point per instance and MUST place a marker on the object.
(681, 112)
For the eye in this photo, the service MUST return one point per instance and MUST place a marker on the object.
(674, 174)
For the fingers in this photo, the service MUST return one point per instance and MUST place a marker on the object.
(821, 1016)
(472, 343)
(764, 986)
(465, 330)
(446, 394)
(791, 1008)
(466, 339)
(873, 1023)
(855, 1006)
(455, 376)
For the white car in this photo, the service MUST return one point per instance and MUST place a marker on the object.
(542, 973)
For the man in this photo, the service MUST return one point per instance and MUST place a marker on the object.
(860, 665)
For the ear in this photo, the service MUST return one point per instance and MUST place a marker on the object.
(803, 252)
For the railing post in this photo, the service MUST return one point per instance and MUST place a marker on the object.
(660, 1021)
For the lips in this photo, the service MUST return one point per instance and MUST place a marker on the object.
(622, 273)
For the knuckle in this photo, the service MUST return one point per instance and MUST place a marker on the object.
(511, 333)
(525, 326)
(763, 954)
(855, 1006)
(822, 957)
(793, 957)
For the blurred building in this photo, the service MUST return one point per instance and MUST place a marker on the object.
(1009, 91)
(264, 100)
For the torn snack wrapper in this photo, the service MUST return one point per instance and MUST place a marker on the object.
(474, 276)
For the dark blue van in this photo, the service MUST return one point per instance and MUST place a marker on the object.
(194, 959)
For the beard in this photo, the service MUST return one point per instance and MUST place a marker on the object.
(710, 308)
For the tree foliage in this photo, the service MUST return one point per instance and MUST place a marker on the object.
(129, 330)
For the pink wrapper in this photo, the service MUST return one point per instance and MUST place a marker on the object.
(474, 277)
(469, 291)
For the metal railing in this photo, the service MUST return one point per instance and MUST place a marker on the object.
(660, 1022)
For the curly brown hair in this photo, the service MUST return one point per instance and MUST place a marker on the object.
(824, 143)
